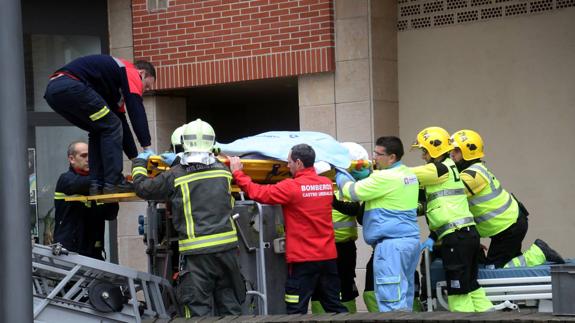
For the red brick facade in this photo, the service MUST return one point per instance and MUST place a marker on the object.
(199, 42)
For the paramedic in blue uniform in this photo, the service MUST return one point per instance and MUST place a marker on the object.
(93, 93)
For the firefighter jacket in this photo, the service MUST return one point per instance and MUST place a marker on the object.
(390, 197)
(80, 226)
(447, 208)
(201, 201)
(306, 204)
(493, 208)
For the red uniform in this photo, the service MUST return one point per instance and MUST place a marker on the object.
(306, 202)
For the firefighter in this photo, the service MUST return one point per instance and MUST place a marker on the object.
(93, 93)
(310, 243)
(345, 228)
(389, 223)
(498, 215)
(199, 189)
(80, 226)
(171, 157)
(450, 221)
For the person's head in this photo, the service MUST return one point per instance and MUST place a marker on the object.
(434, 142)
(388, 150)
(176, 139)
(467, 144)
(147, 73)
(301, 156)
(198, 136)
(78, 155)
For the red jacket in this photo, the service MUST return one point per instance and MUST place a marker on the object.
(306, 202)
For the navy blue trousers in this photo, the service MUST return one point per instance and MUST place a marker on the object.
(85, 108)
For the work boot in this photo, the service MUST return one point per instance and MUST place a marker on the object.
(95, 189)
(550, 254)
(122, 187)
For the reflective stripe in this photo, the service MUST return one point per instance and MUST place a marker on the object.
(59, 196)
(352, 193)
(139, 170)
(520, 259)
(447, 192)
(100, 114)
(453, 225)
(192, 137)
(340, 225)
(494, 191)
(119, 62)
(208, 241)
(494, 213)
(294, 299)
(188, 211)
(344, 224)
(202, 175)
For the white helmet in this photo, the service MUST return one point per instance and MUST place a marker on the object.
(198, 136)
(177, 137)
(356, 151)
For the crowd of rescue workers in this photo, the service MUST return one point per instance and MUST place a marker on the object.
(461, 199)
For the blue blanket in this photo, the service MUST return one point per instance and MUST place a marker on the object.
(277, 145)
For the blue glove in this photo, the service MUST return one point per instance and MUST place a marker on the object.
(168, 158)
(145, 154)
(342, 177)
(360, 174)
(427, 244)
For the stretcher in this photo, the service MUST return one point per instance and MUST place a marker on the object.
(510, 287)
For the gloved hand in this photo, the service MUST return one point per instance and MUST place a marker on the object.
(149, 150)
(342, 177)
(427, 244)
(360, 174)
(168, 158)
(145, 154)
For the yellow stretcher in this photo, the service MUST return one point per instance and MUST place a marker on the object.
(262, 171)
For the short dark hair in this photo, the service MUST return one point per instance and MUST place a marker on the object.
(392, 145)
(146, 66)
(71, 151)
(304, 153)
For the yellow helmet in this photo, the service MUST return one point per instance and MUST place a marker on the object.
(198, 136)
(176, 138)
(435, 140)
(469, 142)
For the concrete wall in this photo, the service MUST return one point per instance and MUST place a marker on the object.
(510, 79)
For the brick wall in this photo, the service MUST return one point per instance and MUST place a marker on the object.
(195, 42)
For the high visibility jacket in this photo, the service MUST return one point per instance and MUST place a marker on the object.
(306, 204)
(344, 226)
(80, 226)
(201, 203)
(493, 208)
(390, 197)
(447, 208)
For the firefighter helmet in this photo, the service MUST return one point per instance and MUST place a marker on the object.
(435, 140)
(198, 136)
(356, 151)
(177, 137)
(469, 142)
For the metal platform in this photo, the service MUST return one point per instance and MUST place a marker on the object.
(74, 288)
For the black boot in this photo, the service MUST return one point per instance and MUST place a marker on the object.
(550, 254)
(95, 189)
(122, 187)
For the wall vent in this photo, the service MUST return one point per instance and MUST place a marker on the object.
(418, 14)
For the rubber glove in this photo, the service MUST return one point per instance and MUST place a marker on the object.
(145, 154)
(342, 177)
(427, 244)
(360, 174)
(168, 158)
